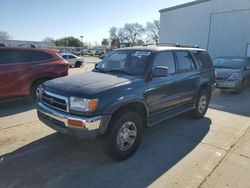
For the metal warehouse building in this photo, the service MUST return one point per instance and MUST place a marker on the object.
(220, 26)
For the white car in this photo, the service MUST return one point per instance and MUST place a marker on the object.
(73, 60)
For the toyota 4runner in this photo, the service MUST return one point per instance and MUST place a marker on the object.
(130, 89)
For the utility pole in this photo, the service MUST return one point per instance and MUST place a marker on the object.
(81, 44)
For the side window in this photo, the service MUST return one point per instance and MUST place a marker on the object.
(185, 61)
(9, 56)
(65, 57)
(203, 59)
(6, 56)
(34, 56)
(165, 59)
(71, 57)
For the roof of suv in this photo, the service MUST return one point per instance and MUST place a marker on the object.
(162, 48)
(48, 50)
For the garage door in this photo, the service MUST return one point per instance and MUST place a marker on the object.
(229, 33)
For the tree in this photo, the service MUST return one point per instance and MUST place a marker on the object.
(133, 32)
(152, 31)
(140, 43)
(105, 42)
(115, 43)
(68, 41)
(4, 36)
(113, 35)
(48, 39)
(122, 36)
(130, 33)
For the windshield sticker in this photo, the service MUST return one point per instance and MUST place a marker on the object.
(142, 53)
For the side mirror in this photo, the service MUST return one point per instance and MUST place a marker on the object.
(96, 65)
(160, 71)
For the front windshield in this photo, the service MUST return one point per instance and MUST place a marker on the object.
(228, 63)
(125, 61)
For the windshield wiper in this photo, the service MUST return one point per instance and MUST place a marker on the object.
(223, 67)
(99, 69)
(119, 71)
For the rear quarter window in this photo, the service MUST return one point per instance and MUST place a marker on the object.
(8, 56)
(203, 60)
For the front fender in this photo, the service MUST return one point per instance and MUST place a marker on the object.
(125, 100)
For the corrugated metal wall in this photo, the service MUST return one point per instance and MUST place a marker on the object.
(229, 33)
(248, 50)
(221, 26)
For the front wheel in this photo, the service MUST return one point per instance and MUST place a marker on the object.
(201, 105)
(124, 135)
(34, 90)
(241, 87)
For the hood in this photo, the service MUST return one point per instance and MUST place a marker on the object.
(225, 73)
(87, 84)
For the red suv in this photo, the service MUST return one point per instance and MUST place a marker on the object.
(22, 70)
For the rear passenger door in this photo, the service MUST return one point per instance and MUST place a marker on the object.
(188, 76)
(19, 68)
(71, 59)
(12, 73)
(161, 93)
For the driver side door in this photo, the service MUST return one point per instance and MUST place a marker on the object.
(162, 92)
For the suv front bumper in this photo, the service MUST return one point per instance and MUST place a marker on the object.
(58, 120)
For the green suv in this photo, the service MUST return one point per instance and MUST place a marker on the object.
(132, 88)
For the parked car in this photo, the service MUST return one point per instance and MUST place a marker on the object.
(22, 70)
(99, 51)
(91, 52)
(232, 73)
(73, 60)
(130, 89)
(80, 51)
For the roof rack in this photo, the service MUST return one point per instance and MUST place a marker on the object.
(179, 45)
(150, 44)
(28, 45)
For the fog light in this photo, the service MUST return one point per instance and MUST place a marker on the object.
(76, 123)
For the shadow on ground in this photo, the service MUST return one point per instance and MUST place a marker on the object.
(61, 161)
(232, 102)
(15, 107)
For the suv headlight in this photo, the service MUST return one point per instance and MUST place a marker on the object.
(234, 76)
(82, 104)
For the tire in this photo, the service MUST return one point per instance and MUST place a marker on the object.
(34, 87)
(78, 64)
(201, 104)
(125, 126)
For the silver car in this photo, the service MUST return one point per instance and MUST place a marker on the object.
(232, 73)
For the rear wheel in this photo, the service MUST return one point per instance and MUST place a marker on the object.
(78, 64)
(124, 135)
(201, 105)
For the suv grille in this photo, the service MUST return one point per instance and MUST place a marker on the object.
(55, 101)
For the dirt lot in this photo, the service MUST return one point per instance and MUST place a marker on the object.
(181, 152)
